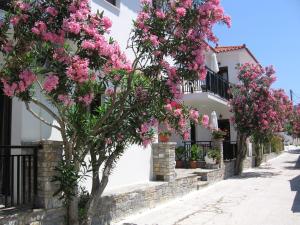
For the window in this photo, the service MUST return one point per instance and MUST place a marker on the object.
(223, 72)
(113, 2)
(4, 4)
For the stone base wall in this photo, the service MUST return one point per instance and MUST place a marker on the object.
(249, 162)
(34, 217)
(270, 156)
(229, 168)
(119, 205)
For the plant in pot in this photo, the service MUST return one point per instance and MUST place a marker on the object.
(194, 156)
(218, 134)
(179, 152)
(164, 136)
(213, 158)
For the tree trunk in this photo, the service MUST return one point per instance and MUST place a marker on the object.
(72, 213)
(241, 153)
(258, 153)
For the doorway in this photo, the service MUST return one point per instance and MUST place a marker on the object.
(5, 140)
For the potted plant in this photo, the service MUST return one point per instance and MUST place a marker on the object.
(218, 134)
(213, 158)
(194, 156)
(179, 152)
(164, 136)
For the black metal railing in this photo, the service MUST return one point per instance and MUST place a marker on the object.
(204, 146)
(18, 175)
(213, 83)
(229, 150)
(4, 4)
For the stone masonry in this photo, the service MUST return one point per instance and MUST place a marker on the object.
(48, 159)
(164, 161)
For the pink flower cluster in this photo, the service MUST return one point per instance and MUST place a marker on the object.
(78, 71)
(257, 108)
(147, 131)
(51, 83)
(27, 78)
(86, 99)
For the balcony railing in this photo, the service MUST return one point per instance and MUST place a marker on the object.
(229, 149)
(18, 175)
(213, 83)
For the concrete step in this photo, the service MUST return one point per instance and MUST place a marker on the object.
(202, 184)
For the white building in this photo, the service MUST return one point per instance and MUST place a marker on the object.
(212, 95)
(18, 126)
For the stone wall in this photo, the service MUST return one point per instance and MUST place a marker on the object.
(33, 217)
(249, 162)
(229, 168)
(163, 155)
(121, 203)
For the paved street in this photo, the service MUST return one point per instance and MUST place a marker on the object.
(269, 195)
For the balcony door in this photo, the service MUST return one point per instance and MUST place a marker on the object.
(5, 137)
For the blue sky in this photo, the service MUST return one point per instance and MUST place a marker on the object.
(271, 30)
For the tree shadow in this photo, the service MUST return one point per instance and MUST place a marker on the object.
(262, 174)
(295, 186)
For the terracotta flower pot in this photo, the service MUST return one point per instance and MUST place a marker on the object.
(164, 138)
(179, 164)
(193, 164)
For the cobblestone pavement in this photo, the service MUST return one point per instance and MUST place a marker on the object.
(269, 195)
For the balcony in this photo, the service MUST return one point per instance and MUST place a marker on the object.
(213, 83)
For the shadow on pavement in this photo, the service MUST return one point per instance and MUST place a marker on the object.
(247, 175)
(295, 186)
(296, 167)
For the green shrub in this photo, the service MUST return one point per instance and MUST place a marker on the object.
(195, 150)
(214, 154)
(180, 151)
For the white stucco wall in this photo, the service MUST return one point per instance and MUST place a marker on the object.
(232, 59)
(135, 165)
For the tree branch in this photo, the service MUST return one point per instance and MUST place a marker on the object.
(47, 109)
(40, 118)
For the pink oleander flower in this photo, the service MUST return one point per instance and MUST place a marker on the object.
(52, 11)
(28, 77)
(87, 44)
(205, 120)
(181, 11)
(178, 112)
(146, 2)
(66, 100)
(51, 83)
(23, 6)
(109, 92)
(160, 14)
(168, 107)
(7, 47)
(186, 136)
(106, 22)
(9, 90)
(15, 20)
(194, 115)
(72, 26)
(78, 70)
(39, 28)
(86, 99)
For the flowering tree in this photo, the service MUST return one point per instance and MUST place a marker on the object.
(295, 122)
(62, 51)
(258, 110)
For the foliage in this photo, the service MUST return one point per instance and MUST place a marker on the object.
(67, 179)
(258, 109)
(84, 197)
(103, 102)
(218, 134)
(277, 144)
(214, 153)
(295, 122)
(195, 151)
(180, 153)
